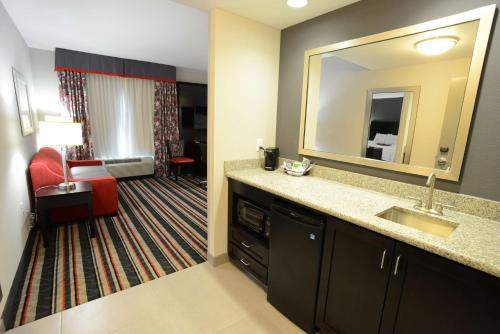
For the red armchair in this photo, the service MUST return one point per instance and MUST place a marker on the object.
(46, 169)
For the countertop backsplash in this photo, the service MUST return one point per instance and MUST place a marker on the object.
(472, 205)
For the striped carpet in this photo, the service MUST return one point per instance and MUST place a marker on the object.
(161, 227)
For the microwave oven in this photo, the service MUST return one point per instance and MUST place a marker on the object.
(253, 217)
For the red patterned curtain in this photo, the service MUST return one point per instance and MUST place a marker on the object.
(73, 94)
(166, 123)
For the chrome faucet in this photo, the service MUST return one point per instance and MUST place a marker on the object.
(431, 182)
(426, 204)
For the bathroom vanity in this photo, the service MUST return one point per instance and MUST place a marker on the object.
(373, 275)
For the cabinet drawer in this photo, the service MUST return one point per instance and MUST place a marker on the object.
(246, 263)
(251, 244)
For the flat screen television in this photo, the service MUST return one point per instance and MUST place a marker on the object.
(200, 118)
(187, 117)
(194, 117)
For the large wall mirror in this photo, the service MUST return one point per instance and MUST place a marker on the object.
(400, 100)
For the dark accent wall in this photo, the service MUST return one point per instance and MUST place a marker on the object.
(481, 169)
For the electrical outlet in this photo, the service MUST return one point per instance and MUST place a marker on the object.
(23, 210)
(31, 220)
(28, 218)
(260, 143)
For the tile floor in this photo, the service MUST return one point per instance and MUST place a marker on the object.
(200, 299)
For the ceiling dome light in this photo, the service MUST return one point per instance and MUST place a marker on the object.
(297, 3)
(436, 46)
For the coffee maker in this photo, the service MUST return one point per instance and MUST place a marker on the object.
(271, 155)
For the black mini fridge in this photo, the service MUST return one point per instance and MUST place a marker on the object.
(295, 250)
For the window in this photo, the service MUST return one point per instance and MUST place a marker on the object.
(121, 116)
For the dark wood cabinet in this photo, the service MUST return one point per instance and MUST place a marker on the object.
(355, 274)
(430, 294)
(247, 263)
(192, 103)
(369, 283)
(407, 291)
(248, 242)
(254, 245)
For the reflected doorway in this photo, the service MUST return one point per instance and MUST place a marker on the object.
(390, 123)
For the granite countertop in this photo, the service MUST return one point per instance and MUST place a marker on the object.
(475, 242)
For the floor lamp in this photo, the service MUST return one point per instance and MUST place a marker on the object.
(61, 134)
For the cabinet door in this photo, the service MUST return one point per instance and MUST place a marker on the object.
(430, 294)
(355, 273)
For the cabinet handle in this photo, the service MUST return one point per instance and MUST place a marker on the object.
(396, 267)
(246, 244)
(245, 263)
(382, 261)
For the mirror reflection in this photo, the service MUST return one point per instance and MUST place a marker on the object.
(390, 124)
(397, 100)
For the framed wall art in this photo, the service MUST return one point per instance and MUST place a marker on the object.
(23, 103)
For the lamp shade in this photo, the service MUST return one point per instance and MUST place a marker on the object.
(60, 133)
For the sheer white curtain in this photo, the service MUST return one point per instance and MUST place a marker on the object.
(121, 115)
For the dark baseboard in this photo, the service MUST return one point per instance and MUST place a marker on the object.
(14, 297)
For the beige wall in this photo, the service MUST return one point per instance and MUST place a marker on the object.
(15, 154)
(45, 83)
(242, 103)
(190, 75)
(347, 92)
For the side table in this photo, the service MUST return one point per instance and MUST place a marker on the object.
(52, 197)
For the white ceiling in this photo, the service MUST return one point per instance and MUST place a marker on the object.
(275, 13)
(173, 32)
(159, 31)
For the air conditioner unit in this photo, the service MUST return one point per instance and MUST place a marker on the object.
(121, 168)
